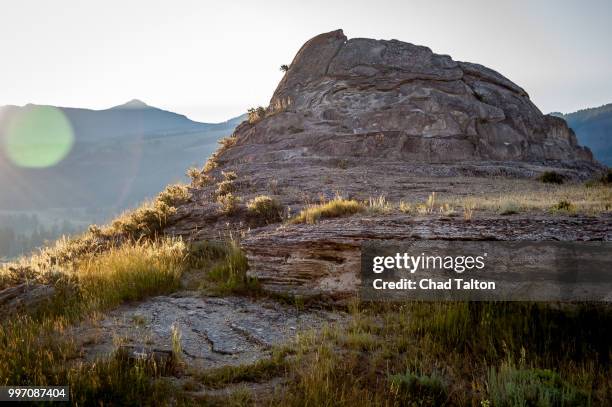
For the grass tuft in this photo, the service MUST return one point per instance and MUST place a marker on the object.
(337, 207)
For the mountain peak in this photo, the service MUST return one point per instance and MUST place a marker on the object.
(133, 104)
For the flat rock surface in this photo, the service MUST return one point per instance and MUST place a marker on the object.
(214, 331)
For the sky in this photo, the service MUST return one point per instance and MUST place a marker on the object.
(213, 60)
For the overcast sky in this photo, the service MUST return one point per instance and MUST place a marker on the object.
(213, 60)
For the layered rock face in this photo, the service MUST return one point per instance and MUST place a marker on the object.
(397, 101)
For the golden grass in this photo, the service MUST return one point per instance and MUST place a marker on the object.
(332, 209)
(131, 272)
(587, 200)
(37, 349)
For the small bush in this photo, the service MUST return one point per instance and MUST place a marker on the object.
(332, 209)
(146, 221)
(551, 177)
(174, 195)
(228, 142)
(511, 386)
(284, 68)
(256, 114)
(229, 175)
(408, 387)
(265, 208)
(225, 187)
(229, 203)
(607, 178)
(198, 178)
(564, 206)
(211, 163)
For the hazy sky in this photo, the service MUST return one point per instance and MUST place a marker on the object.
(213, 60)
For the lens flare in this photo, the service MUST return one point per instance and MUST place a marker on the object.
(38, 137)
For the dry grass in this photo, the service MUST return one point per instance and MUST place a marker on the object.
(524, 198)
(37, 349)
(332, 209)
(379, 205)
(131, 272)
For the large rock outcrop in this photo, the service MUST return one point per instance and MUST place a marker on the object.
(393, 100)
(366, 118)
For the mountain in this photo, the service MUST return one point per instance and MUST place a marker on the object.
(115, 157)
(593, 127)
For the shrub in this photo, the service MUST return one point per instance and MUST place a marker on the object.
(228, 142)
(565, 206)
(174, 195)
(265, 208)
(607, 178)
(551, 177)
(211, 163)
(198, 178)
(150, 218)
(332, 209)
(256, 114)
(225, 187)
(284, 68)
(229, 175)
(407, 387)
(511, 386)
(147, 221)
(228, 203)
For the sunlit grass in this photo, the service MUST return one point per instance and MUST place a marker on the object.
(332, 209)
(587, 200)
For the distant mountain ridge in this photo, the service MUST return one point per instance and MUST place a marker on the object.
(120, 156)
(593, 127)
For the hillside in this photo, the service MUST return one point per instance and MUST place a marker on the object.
(120, 157)
(245, 287)
(593, 128)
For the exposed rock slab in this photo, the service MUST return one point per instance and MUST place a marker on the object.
(324, 259)
(214, 331)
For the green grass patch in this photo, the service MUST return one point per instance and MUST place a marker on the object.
(510, 386)
(229, 273)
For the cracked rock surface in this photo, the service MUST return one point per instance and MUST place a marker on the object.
(214, 331)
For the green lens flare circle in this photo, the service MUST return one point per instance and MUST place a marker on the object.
(39, 137)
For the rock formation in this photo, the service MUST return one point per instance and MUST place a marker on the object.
(366, 118)
(397, 101)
